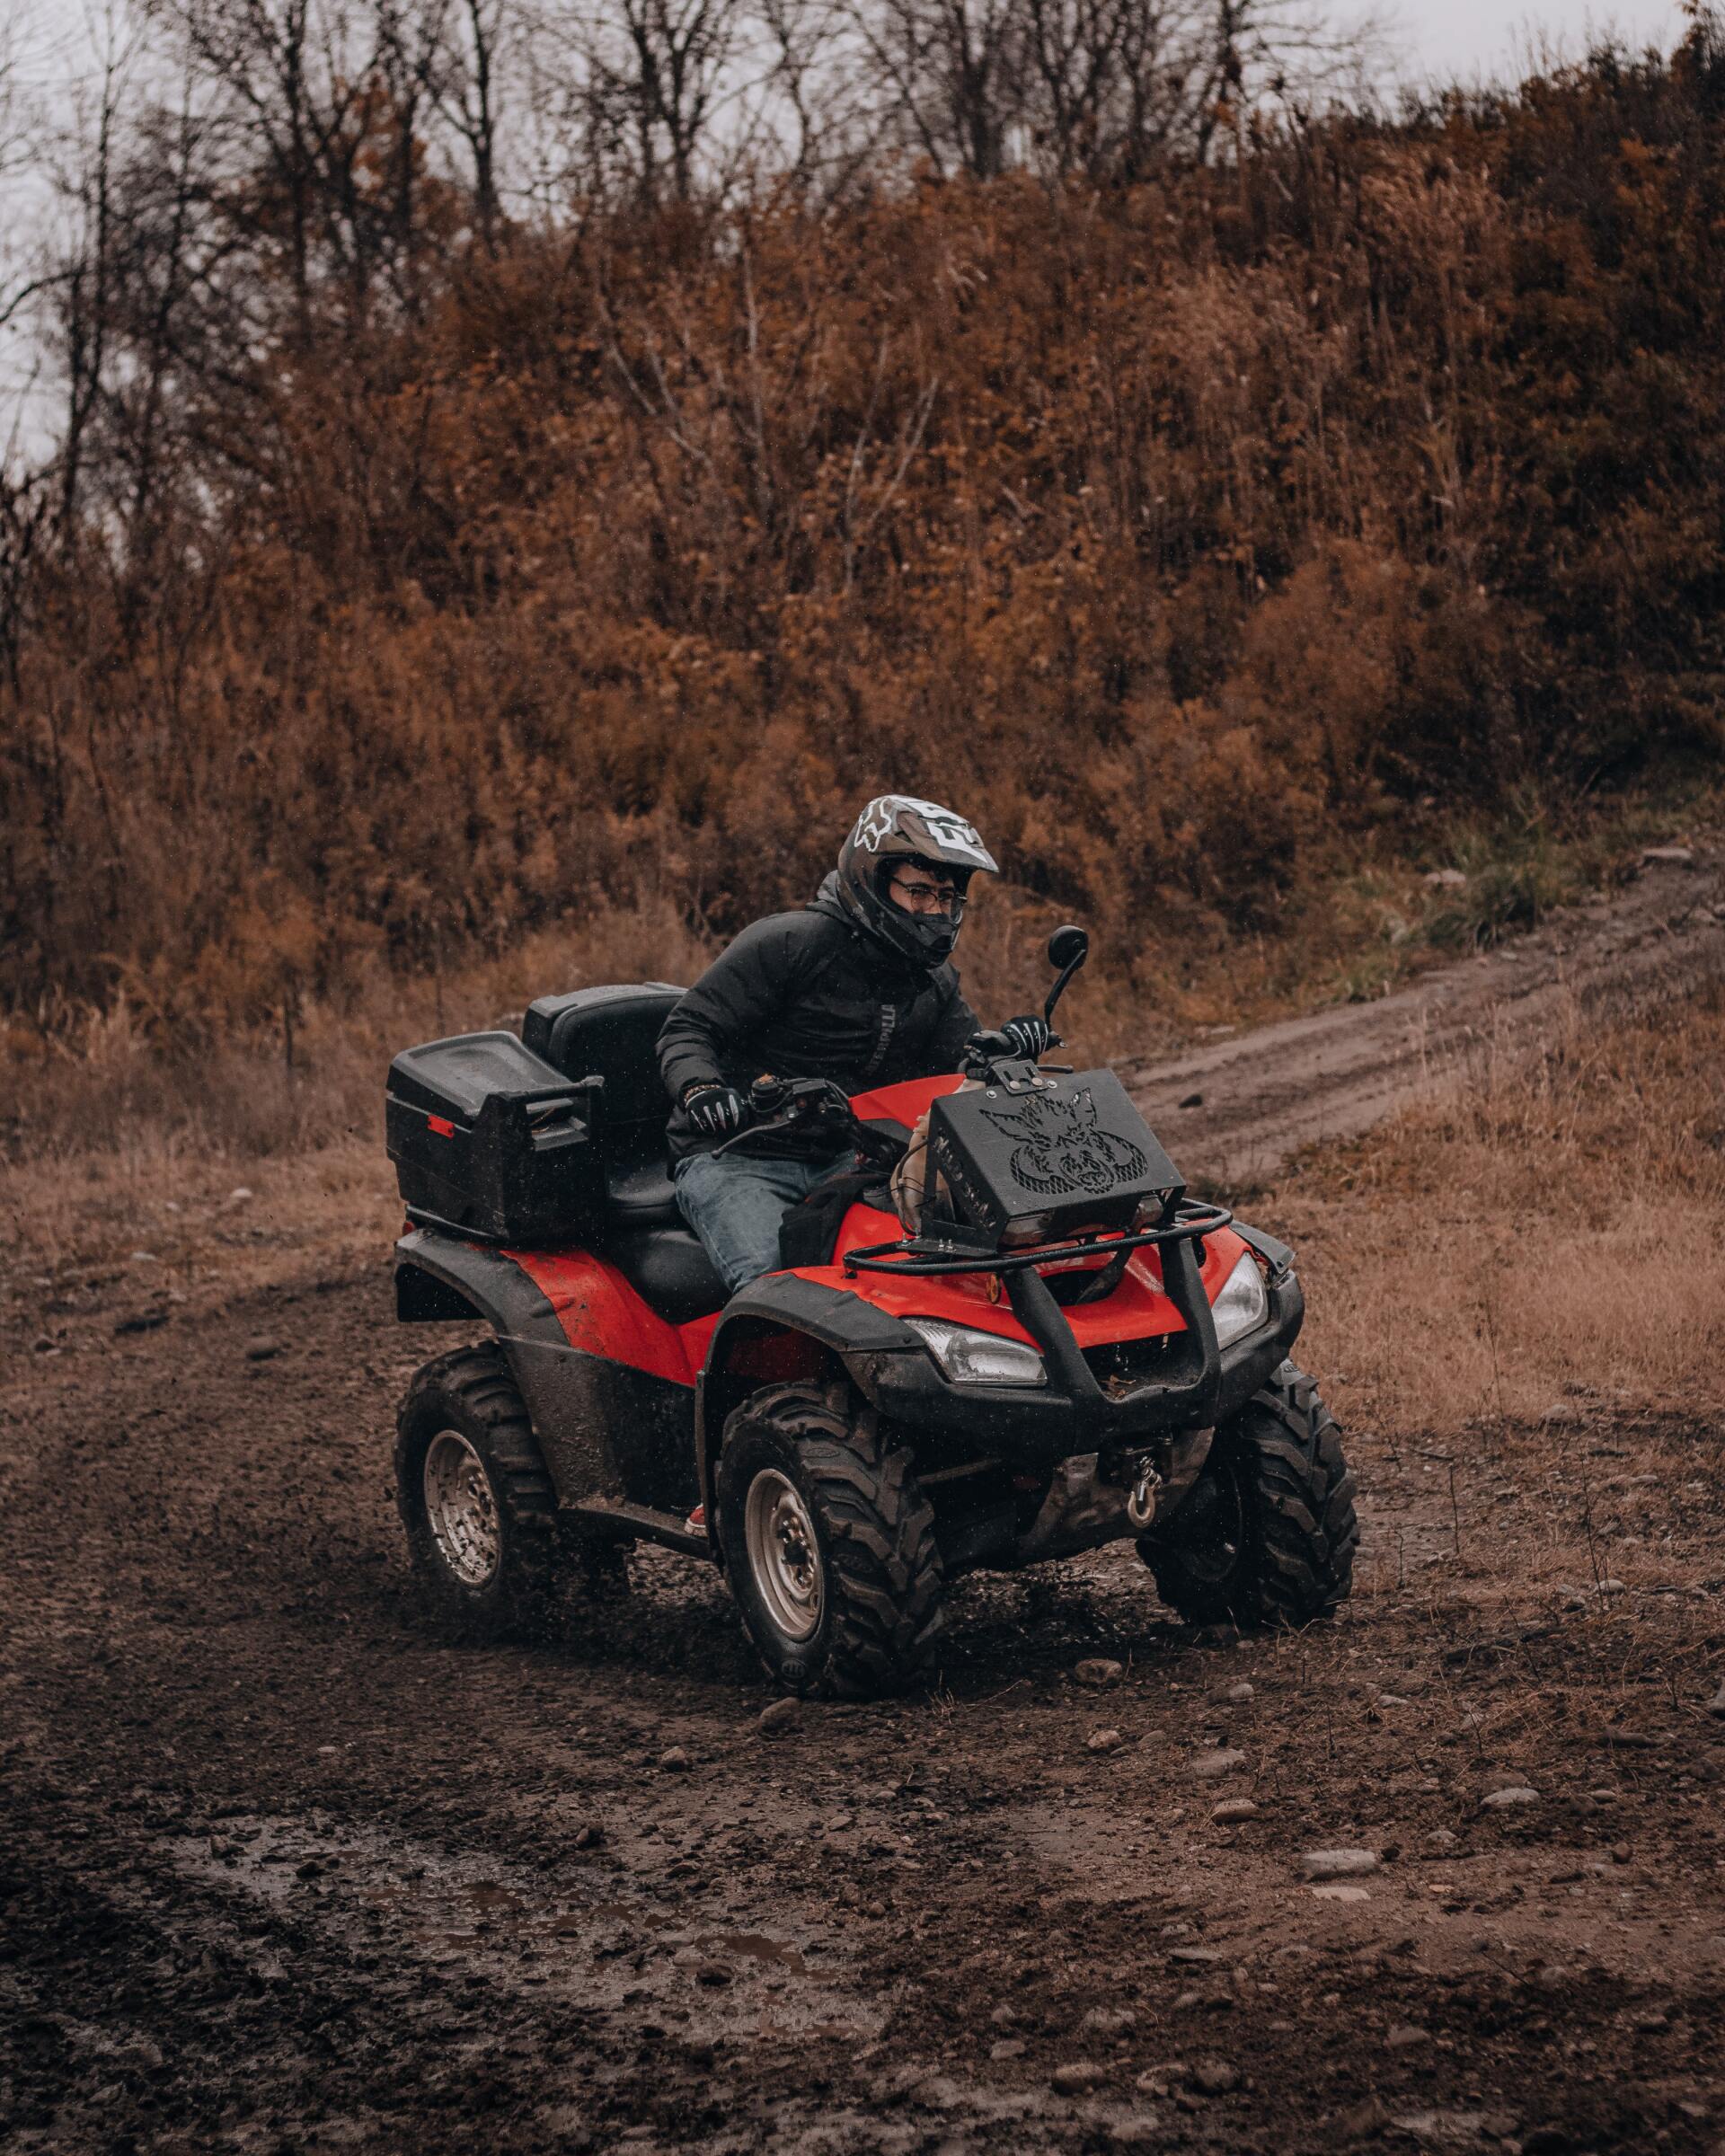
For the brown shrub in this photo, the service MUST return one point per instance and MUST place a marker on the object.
(1182, 532)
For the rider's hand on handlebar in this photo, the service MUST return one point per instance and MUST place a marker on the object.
(1030, 1036)
(716, 1111)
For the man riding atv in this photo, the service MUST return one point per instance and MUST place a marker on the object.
(1055, 1346)
(857, 987)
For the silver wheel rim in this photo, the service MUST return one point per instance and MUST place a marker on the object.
(461, 1506)
(783, 1554)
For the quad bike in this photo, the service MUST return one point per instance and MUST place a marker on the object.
(1066, 1351)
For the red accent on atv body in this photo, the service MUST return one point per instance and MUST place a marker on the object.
(1137, 1308)
(602, 1314)
(905, 1102)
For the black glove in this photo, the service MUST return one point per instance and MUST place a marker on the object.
(1030, 1036)
(716, 1111)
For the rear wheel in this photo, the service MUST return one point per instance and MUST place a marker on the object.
(479, 1507)
(1268, 1535)
(829, 1544)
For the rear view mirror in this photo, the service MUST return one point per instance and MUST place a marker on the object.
(1067, 947)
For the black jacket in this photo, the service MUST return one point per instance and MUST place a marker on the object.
(808, 996)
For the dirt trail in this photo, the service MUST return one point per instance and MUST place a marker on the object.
(1235, 1108)
(282, 1872)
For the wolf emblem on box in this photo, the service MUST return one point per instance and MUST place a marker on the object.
(1062, 1147)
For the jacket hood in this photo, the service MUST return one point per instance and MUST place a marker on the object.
(828, 901)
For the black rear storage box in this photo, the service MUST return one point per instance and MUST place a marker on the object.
(491, 1141)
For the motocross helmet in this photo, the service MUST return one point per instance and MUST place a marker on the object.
(891, 830)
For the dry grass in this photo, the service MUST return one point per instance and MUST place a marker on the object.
(118, 1145)
(1518, 1309)
(121, 1078)
(1530, 1238)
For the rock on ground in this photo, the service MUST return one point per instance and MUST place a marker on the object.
(1337, 1863)
(1210, 1766)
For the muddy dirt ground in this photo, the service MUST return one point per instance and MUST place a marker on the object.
(282, 1871)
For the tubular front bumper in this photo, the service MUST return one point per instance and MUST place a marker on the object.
(1073, 1413)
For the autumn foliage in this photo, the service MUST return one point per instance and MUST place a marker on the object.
(1179, 529)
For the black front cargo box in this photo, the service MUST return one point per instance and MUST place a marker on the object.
(491, 1141)
(1037, 1164)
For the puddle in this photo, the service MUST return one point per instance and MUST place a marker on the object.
(495, 1900)
(753, 1946)
(617, 1949)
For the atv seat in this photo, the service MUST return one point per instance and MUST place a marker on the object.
(615, 1033)
(669, 1271)
(642, 1194)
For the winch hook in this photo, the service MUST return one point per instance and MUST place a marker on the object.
(1141, 1503)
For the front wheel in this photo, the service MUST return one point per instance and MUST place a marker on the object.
(1268, 1535)
(828, 1543)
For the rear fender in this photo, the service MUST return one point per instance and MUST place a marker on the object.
(440, 1279)
(573, 1398)
(784, 1329)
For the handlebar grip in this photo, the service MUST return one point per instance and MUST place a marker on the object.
(982, 1045)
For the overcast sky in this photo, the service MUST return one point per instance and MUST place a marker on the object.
(1461, 39)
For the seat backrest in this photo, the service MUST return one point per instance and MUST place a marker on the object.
(612, 1031)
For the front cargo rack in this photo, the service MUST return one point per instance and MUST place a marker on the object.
(922, 1255)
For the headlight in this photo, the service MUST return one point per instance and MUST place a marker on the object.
(969, 1358)
(1243, 1303)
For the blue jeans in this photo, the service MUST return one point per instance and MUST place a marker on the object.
(735, 1206)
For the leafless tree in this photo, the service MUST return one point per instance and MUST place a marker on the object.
(1106, 84)
(643, 81)
(948, 69)
(248, 179)
(1093, 86)
(1277, 51)
(482, 41)
(819, 113)
(84, 278)
(314, 148)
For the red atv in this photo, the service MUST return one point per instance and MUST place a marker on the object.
(1066, 1351)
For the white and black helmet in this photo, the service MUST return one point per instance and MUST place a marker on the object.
(895, 829)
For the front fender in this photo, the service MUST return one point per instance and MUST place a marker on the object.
(785, 1328)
